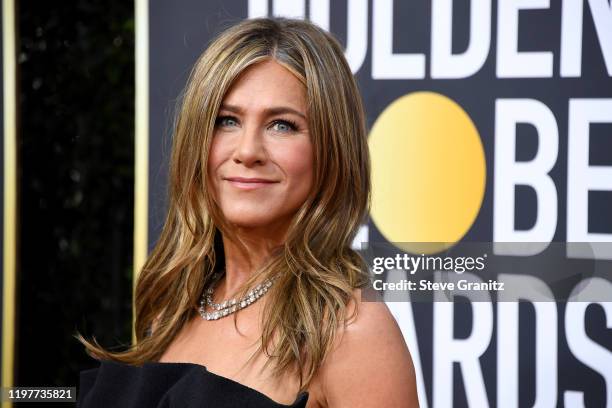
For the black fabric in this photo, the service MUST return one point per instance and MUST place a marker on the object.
(157, 385)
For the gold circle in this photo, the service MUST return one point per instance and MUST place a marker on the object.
(428, 172)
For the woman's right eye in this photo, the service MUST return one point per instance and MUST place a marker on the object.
(225, 120)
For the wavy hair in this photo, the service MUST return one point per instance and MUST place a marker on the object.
(318, 269)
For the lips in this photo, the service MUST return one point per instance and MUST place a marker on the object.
(249, 180)
(249, 183)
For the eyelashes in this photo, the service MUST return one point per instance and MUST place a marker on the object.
(287, 122)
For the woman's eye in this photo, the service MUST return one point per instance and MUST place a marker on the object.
(225, 120)
(285, 126)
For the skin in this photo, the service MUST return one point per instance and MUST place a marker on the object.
(369, 365)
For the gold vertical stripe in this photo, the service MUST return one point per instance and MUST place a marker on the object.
(10, 192)
(141, 152)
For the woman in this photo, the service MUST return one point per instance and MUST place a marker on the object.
(269, 182)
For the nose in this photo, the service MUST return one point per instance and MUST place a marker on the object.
(250, 149)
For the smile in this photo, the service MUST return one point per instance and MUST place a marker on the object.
(244, 183)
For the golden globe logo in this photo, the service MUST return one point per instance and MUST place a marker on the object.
(429, 173)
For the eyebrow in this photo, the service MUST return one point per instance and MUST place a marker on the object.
(268, 111)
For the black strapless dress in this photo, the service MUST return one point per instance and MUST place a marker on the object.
(157, 385)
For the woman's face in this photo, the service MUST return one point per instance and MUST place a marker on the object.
(261, 157)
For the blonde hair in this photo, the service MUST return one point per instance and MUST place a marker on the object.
(318, 269)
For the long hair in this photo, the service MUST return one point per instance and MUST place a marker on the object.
(318, 271)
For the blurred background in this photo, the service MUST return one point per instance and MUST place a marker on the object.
(74, 100)
(458, 94)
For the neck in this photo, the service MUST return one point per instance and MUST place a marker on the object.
(240, 264)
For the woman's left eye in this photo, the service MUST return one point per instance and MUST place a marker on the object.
(286, 125)
(222, 120)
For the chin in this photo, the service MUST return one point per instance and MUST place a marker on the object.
(245, 219)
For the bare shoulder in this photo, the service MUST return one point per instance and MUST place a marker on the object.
(370, 364)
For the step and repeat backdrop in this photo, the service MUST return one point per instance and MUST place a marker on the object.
(489, 121)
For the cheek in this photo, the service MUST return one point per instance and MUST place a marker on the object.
(215, 159)
(214, 155)
(299, 165)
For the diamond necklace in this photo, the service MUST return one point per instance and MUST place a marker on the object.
(230, 306)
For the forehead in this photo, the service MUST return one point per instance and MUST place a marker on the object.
(267, 83)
